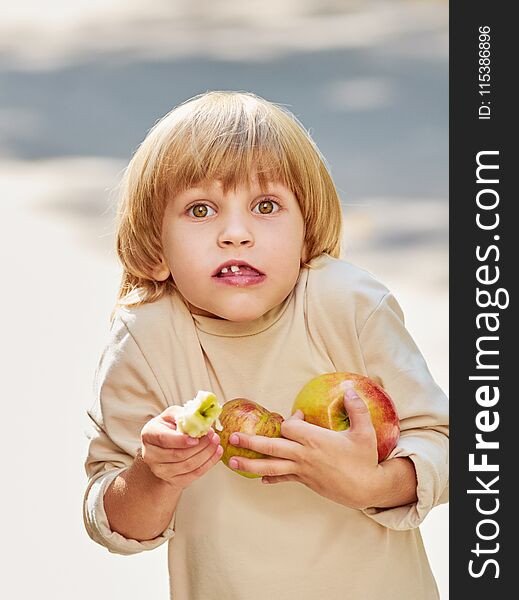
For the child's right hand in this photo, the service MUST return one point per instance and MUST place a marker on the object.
(175, 457)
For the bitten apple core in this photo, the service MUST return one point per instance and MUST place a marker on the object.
(196, 416)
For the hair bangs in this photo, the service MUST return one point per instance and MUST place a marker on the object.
(229, 146)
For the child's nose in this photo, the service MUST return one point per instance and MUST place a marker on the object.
(235, 240)
(236, 232)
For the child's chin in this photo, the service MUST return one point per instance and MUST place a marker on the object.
(240, 314)
(237, 317)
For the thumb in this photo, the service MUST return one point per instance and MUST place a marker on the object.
(358, 412)
(298, 415)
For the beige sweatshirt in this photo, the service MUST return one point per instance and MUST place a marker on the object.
(234, 538)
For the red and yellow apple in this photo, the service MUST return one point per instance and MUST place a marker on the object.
(322, 403)
(246, 416)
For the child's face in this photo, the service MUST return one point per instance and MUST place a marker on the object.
(203, 229)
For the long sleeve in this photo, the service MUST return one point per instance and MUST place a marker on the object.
(127, 395)
(394, 361)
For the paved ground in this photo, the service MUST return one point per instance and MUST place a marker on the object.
(79, 86)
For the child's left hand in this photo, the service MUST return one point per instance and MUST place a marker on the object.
(339, 465)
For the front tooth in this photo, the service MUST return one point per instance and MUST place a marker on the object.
(225, 270)
(234, 268)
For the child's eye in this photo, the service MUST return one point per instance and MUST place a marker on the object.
(200, 210)
(264, 206)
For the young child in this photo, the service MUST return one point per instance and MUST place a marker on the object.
(226, 179)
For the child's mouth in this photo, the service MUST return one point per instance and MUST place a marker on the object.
(241, 271)
(244, 277)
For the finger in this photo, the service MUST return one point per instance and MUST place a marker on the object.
(162, 436)
(171, 455)
(186, 479)
(298, 415)
(279, 478)
(263, 466)
(191, 464)
(300, 431)
(195, 462)
(358, 413)
(168, 416)
(266, 445)
(169, 440)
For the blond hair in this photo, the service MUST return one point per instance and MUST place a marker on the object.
(222, 135)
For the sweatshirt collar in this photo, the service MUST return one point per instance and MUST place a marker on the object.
(226, 328)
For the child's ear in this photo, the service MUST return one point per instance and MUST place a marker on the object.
(304, 254)
(161, 271)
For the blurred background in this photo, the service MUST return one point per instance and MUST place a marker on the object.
(80, 85)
